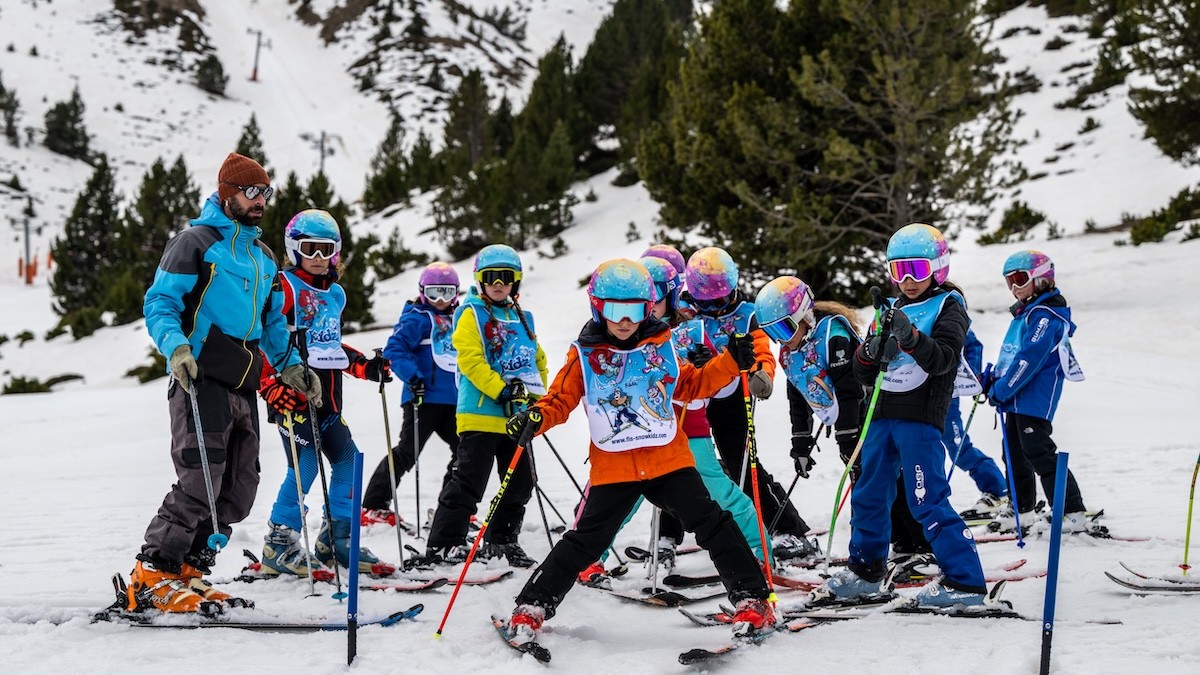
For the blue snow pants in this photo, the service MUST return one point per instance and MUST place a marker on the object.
(982, 469)
(338, 446)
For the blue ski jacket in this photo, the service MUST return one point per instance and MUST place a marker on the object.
(410, 349)
(1029, 372)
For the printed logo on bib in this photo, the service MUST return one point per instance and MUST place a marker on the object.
(319, 312)
(627, 395)
(441, 344)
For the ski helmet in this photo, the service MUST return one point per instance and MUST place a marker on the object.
(439, 274)
(621, 289)
(669, 253)
(781, 306)
(711, 274)
(498, 263)
(308, 234)
(1023, 266)
(914, 243)
(666, 280)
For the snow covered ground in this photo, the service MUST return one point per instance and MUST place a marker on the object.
(85, 468)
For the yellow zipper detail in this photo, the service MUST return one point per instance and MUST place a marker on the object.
(196, 316)
(253, 314)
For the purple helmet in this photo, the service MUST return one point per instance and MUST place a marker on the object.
(668, 253)
(438, 274)
(711, 274)
(666, 280)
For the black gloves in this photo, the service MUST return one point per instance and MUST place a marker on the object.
(875, 350)
(802, 447)
(378, 369)
(523, 425)
(282, 398)
(897, 323)
(847, 440)
(514, 397)
(417, 387)
(700, 355)
(741, 347)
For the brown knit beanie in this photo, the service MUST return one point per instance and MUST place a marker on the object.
(239, 170)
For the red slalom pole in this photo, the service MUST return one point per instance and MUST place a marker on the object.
(752, 450)
(534, 416)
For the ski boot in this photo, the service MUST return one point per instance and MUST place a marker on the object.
(1079, 522)
(437, 555)
(378, 517)
(666, 553)
(510, 551)
(987, 507)
(525, 622)
(593, 574)
(937, 595)
(333, 547)
(752, 616)
(282, 552)
(153, 588)
(1005, 523)
(907, 568)
(848, 588)
(789, 547)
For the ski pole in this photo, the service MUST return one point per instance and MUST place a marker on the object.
(745, 456)
(417, 401)
(558, 514)
(613, 549)
(535, 416)
(541, 504)
(391, 458)
(312, 587)
(962, 442)
(652, 571)
(1012, 479)
(788, 496)
(1187, 539)
(752, 454)
(216, 540)
(355, 535)
(1060, 497)
(877, 300)
(302, 346)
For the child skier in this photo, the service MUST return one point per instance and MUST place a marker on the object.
(502, 368)
(918, 341)
(635, 462)
(689, 341)
(711, 277)
(1034, 360)
(422, 355)
(816, 343)
(313, 300)
(981, 468)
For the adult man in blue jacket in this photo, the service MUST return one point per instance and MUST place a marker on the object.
(213, 310)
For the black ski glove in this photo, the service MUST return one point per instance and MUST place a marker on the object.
(900, 327)
(523, 425)
(741, 347)
(378, 369)
(417, 387)
(700, 355)
(802, 447)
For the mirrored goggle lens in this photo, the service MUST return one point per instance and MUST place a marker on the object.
(714, 305)
(661, 291)
(1017, 279)
(498, 277)
(616, 311)
(313, 248)
(917, 269)
(781, 331)
(443, 293)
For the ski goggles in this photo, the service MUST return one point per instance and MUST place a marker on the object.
(497, 276)
(1021, 278)
(619, 310)
(711, 306)
(442, 293)
(317, 248)
(781, 331)
(917, 269)
(253, 191)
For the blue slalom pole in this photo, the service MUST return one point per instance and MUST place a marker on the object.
(1012, 481)
(1060, 498)
(355, 532)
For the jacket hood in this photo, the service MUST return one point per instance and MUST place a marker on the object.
(214, 216)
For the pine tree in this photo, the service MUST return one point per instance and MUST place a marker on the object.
(9, 107)
(387, 183)
(1169, 57)
(467, 134)
(210, 76)
(426, 169)
(65, 130)
(86, 255)
(502, 127)
(250, 145)
(415, 33)
(287, 201)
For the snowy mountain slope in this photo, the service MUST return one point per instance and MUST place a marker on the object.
(85, 467)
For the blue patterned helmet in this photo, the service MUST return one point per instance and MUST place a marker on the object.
(498, 264)
(711, 274)
(1023, 266)
(781, 306)
(666, 280)
(669, 253)
(313, 233)
(621, 289)
(918, 251)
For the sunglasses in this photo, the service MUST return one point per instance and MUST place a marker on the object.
(618, 310)
(443, 293)
(253, 191)
(317, 248)
(917, 269)
(499, 276)
(781, 331)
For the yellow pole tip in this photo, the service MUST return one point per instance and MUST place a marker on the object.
(772, 598)
(437, 635)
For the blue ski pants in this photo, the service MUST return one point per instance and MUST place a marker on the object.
(338, 446)
(982, 469)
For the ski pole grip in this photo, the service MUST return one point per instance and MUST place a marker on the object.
(877, 299)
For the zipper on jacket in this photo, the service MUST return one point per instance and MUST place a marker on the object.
(212, 274)
(253, 309)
